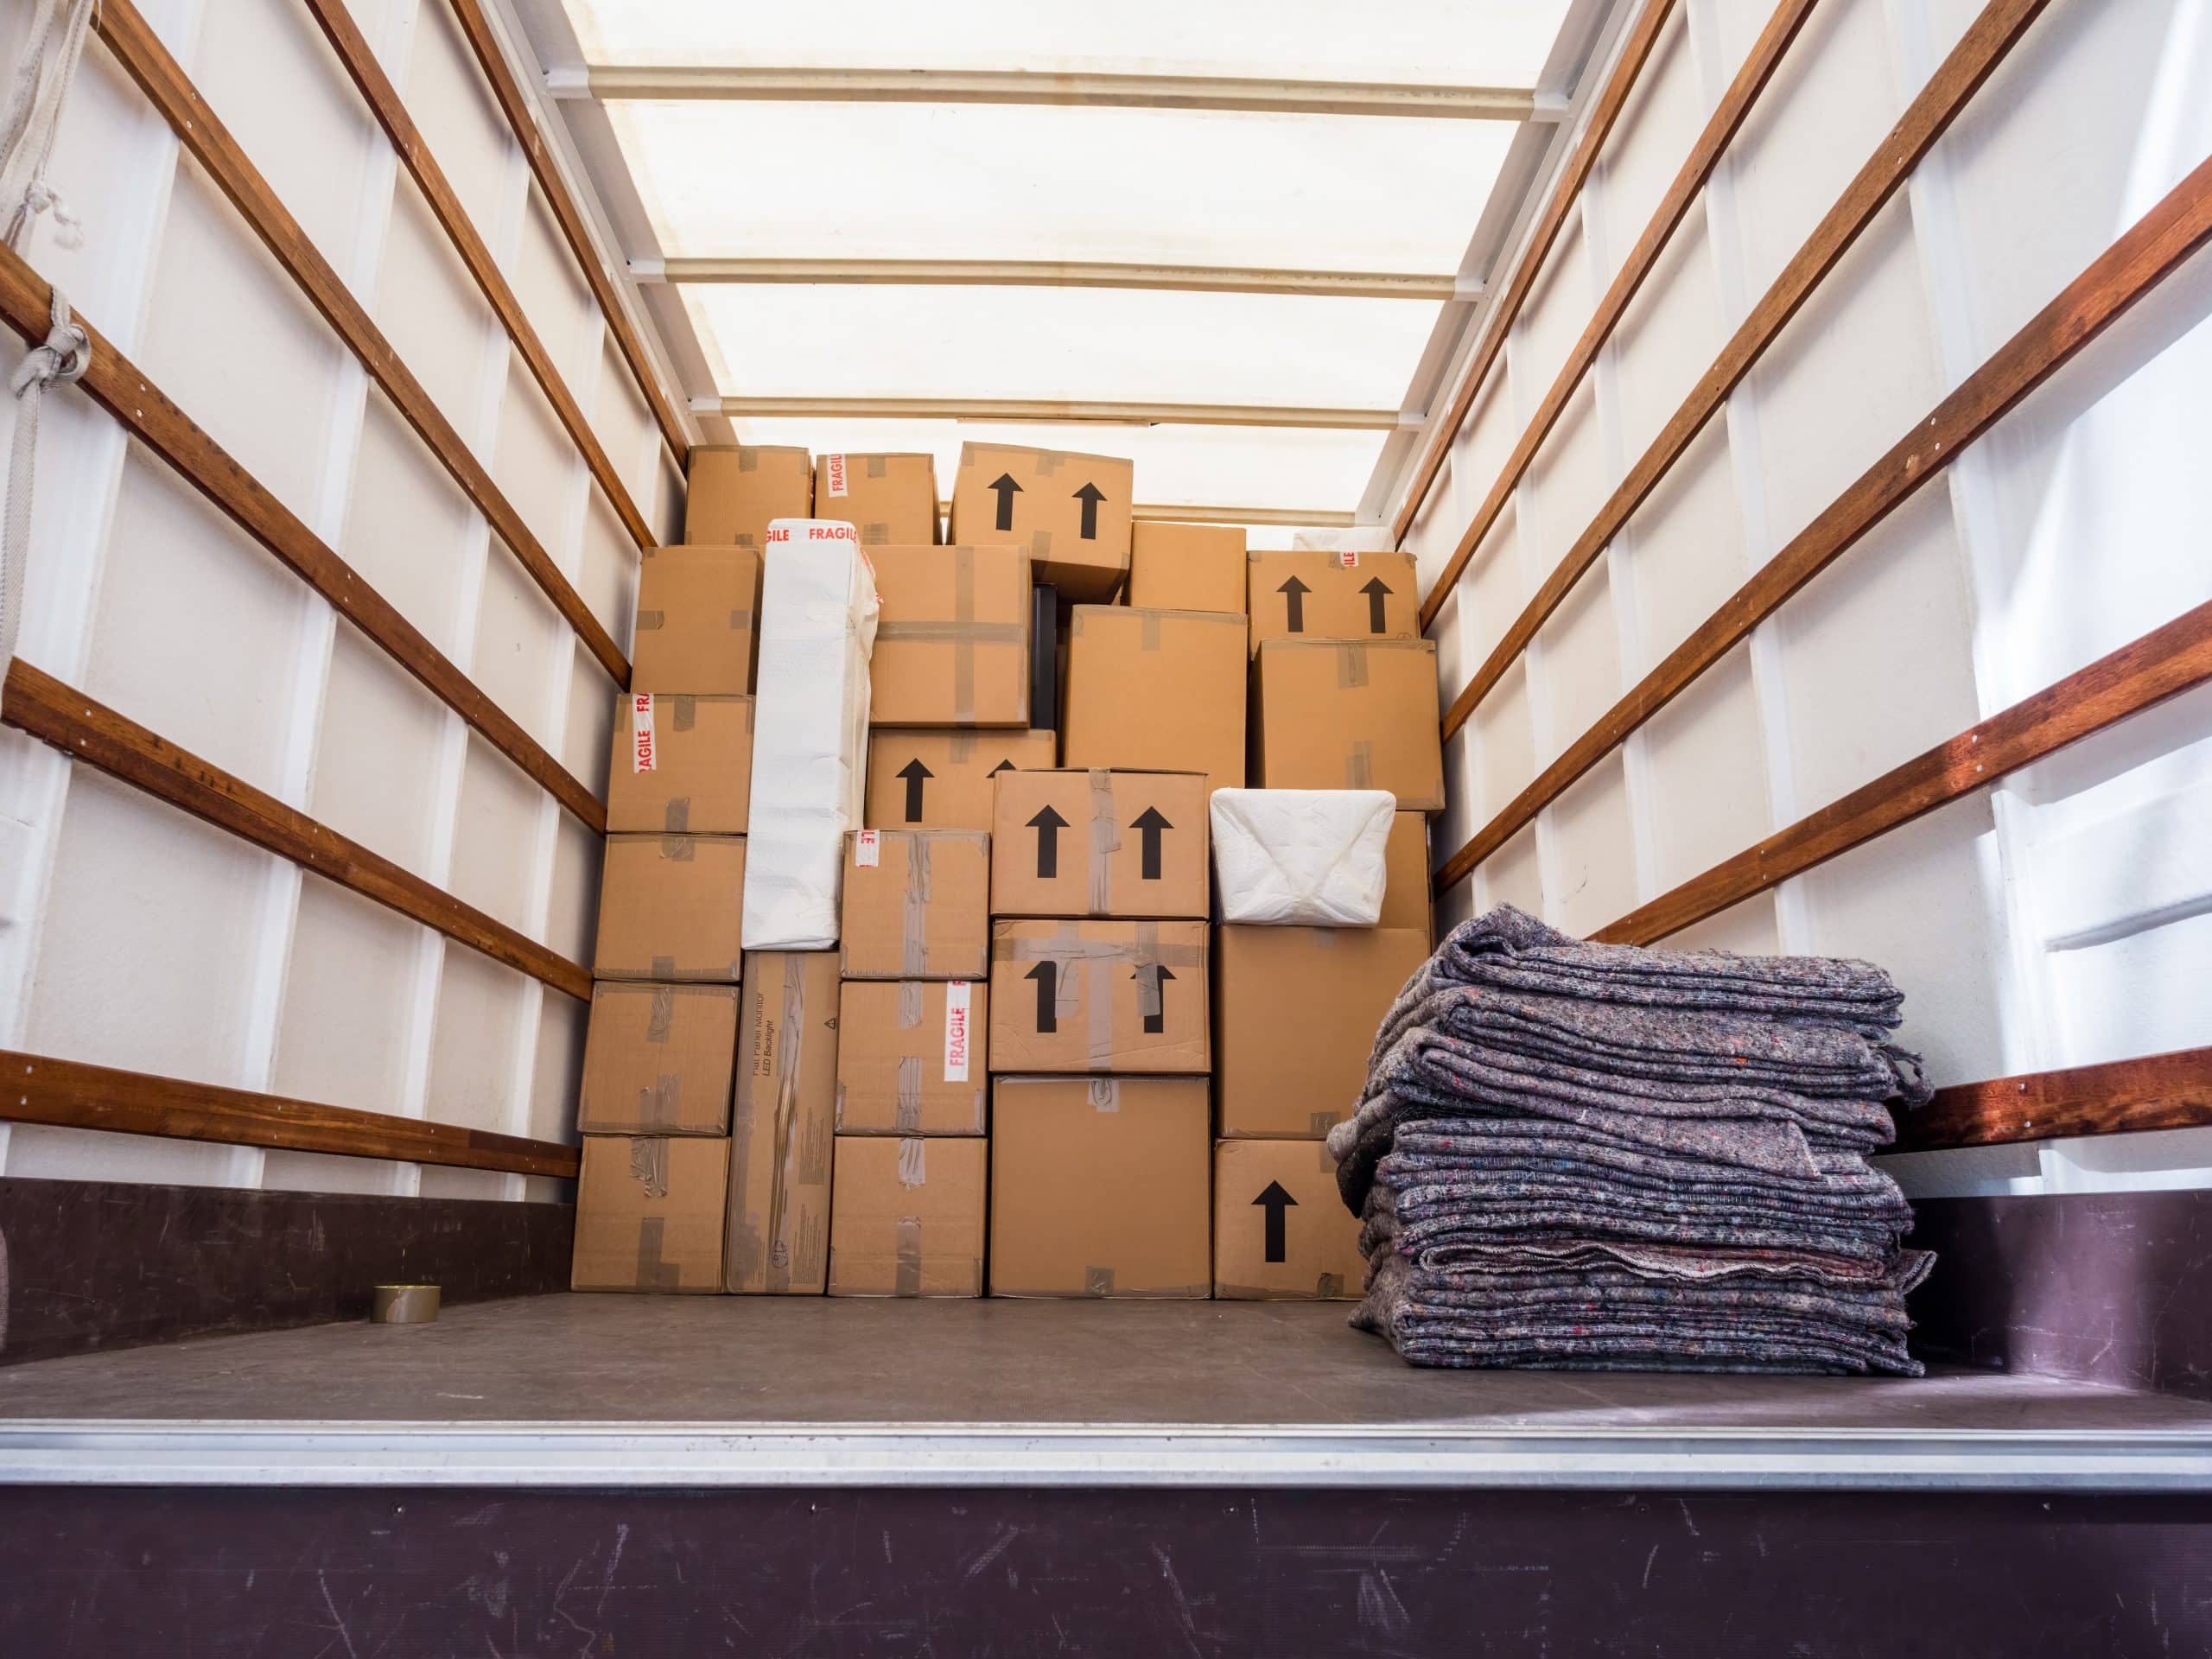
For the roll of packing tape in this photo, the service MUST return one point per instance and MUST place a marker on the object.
(406, 1304)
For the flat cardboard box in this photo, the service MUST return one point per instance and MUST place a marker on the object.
(1156, 692)
(890, 498)
(912, 1058)
(1099, 843)
(945, 779)
(1351, 716)
(1099, 996)
(735, 491)
(1295, 1016)
(658, 1059)
(952, 642)
(917, 904)
(909, 1217)
(781, 1129)
(671, 908)
(1187, 567)
(1309, 595)
(683, 764)
(1069, 513)
(649, 1213)
(698, 609)
(1406, 900)
(1281, 1231)
(1100, 1186)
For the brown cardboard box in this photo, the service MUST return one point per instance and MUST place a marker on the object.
(1296, 1018)
(1315, 595)
(1070, 512)
(1098, 996)
(1407, 902)
(917, 905)
(658, 1060)
(780, 1132)
(681, 765)
(952, 644)
(1187, 567)
(1157, 691)
(1100, 843)
(911, 1056)
(891, 499)
(1351, 716)
(649, 1213)
(735, 489)
(671, 908)
(1280, 1227)
(943, 780)
(908, 1218)
(1099, 1186)
(697, 613)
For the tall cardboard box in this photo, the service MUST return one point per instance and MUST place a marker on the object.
(1407, 898)
(909, 1217)
(735, 490)
(1280, 1229)
(657, 1060)
(1099, 843)
(1307, 595)
(1351, 716)
(671, 908)
(698, 612)
(912, 1057)
(1187, 567)
(681, 765)
(1070, 512)
(945, 779)
(1295, 1014)
(1156, 692)
(649, 1213)
(1098, 996)
(917, 905)
(1099, 1187)
(890, 498)
(952, 641)
(780, 1132)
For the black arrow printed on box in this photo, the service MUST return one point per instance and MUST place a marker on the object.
(914, 772)
(1277, 1203)
(1149, 823)
(1376, 591)
(1006, 764)
(1047, 976)
(1048, 825)
(1297, 591)
(1007, 490)
(1090, 495)
(1155, 1017)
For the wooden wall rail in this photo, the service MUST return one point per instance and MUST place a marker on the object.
(2161, 1091)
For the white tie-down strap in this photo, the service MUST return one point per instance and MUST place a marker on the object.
(63, 356)
(32, 115)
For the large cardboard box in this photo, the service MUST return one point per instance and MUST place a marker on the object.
(917, 905)
(909, 1217)
(1070, 512)
(1187, 567)
(649, 1213)
(781, 1130)
(1295, 1014)
(1351, 716)
(1280, 1227)
(945, 779)
(952, 642)
(890, 498)
(1098, 996)
(911, 1056)
(1099, 1187)
(698, 610)
(657, 1060)
(681, 765)
(1099, 843)
(1156, 692)
(1307, 595)
(737, 490)
(1407, 897)
(671, 908)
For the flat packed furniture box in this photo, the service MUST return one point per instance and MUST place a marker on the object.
(698, 616)
(1281, 1231)
(1187, 567)
(1069, 513)
(1156, 690)
(890, 498)
(1098, 996)
(911, 1056)
(782, 1124)
(1309, 595)
(671, 908)
(952, 638)
(736, 491)
(649, 1213)
(681, 765)
(917, 905)
(658, 1059)
(908, 1217)
(1347, 715)
(945, 779)
(1099, 842)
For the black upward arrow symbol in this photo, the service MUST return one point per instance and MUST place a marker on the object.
(1048, 825)
(1047, 976)
(1297, 590)
(1277, 1202)
(1004, 765)
(1090, 495)
(914, 772)
(1150, 824)
(1376, 591)
(1006, 489)
(1155, 1023)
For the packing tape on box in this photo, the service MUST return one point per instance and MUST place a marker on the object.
(909, 1109)
(660, 1015)
(649, 1165)
(1100, 962)
(679, 849)
(655, 1271)
(740, 621)
(1105, 1095)
(914, 913)
(791, 1057)
(1098, 1281)
(1105, 841)
(1046, 461)
(906, 1279)
(676, 817)
(963, 633)
(1147, 630)
(910, 1004)
(684, 711)
(1359, 765)
(913, 1162)
(1321, 1122)
(1351, 667)
(656, 1102)
(651, 622)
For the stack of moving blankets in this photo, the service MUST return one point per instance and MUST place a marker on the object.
(1599, 1157)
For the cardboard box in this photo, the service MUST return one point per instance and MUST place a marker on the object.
(735, 491)
(912, 1057)
(1099, 996)
(658, 1059)
(917, 905)
(697, 613)
(1099, 1187)
(1317, 595)
(1351, 716)
(681, 765)
(1280, 1229)
(952, 642)
(890, 498)
(1295, 1016)
(1407, 901)
(943, 779)
(909, 1217)
(649, 1213)
(1187, 567)
(1070, 512)
(671, 908)
(1099, 843)
(781, 1129)
(1156, 692)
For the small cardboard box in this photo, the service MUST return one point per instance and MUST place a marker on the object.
(1099, 1187)
(1099, 996)
(1406, 900)
(698, 608)
(1187, 567)
(657, 1060)
(733, 490)
(1157, 691)
(1069, 513)
(649, 1213)
(780, 1132)
(1295, 1018)
(1280, 1229)
(909, 1215)
(944, 779)
(681, 765)
(911, 1056)
(1099, 843)
(1351, 716)
(1315, 595)
(952, 643)
(890, 498)
(671, 908)
(917, 905)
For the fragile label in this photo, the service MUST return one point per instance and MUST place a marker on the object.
(868, 849)
(1348, 561)
(641, 733)
(833, 475)
(955, 1031)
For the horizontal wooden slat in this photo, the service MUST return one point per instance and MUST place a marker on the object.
(2162, 1091)
(1055, 273)
(1051, 410)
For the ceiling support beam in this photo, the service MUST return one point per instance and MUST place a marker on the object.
(1040, 409)
(1054, 273)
